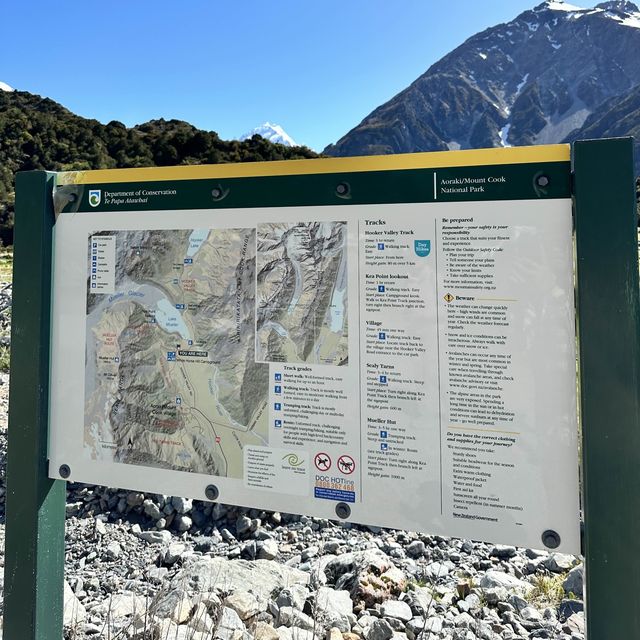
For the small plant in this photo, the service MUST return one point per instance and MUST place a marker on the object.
(6, 264)
(547, 590)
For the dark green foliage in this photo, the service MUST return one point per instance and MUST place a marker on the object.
(38, 133)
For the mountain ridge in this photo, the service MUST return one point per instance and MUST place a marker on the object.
(534, 80)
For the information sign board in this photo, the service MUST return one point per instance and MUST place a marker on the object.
(385, 340)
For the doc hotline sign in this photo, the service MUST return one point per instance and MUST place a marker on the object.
(386, 340)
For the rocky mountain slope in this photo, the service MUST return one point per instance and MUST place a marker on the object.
(551, 74)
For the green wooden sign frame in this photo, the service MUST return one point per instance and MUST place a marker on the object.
(608, 310)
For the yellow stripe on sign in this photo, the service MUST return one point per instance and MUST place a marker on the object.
(434, 160)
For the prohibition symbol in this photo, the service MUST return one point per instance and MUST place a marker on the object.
(346, 464)
(322, 462)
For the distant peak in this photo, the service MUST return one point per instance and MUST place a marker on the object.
(272, 132)
(621, 6)
(5, 87)
(557, 5)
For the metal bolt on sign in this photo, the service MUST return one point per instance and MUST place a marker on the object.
(343, 510)
(551, 539)
(211, 492)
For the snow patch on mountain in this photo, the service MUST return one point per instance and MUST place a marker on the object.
(558, 5)
(504, 135)
(273, 133)
(5, 87)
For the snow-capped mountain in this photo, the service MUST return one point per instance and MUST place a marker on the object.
(273, 133)
(5, 87)
(533, 80)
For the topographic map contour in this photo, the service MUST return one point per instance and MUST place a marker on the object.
(302, 293)
(171, 375)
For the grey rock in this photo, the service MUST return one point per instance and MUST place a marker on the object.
(492, 579)
(261, 577)
(162, 537)
(265, 631)
(559, 562)
(574, 623)
(416, 549)
(113, 550)
(201, 620)
(205, 543)
(290, 617)
(74, 612)
(176, 605)
(181, 505)
(517, 602)
(245, 604)
(330, 603)
(156, 575)
(568, 607)
(151, 509)
(530, 614)
(294, 596)
(396, 609)
(230, 627)
(227, 536)
(101, 529)
(174, 552)
(503, 551)
(182, 522)
(309, 552)
(121, 605)
(135, 499)
(339, 622)
(574, 582)
(332, 546)
(433, 624)
(464, 621)
(295, 633)
(91, 629)
(420, 600)
(379, 629)
(438, 570)
(243, 525)
(268, 549)
(495, 595)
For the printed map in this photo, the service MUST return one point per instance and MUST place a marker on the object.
(302, 293)
(171, 375)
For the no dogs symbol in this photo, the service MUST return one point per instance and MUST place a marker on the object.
(322, 462)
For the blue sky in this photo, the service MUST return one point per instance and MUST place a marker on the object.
(314, 67)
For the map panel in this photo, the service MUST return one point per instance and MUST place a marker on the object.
(171, 376)
(302, 293)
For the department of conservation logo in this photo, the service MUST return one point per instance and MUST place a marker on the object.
(422, 247)
(95, 197)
